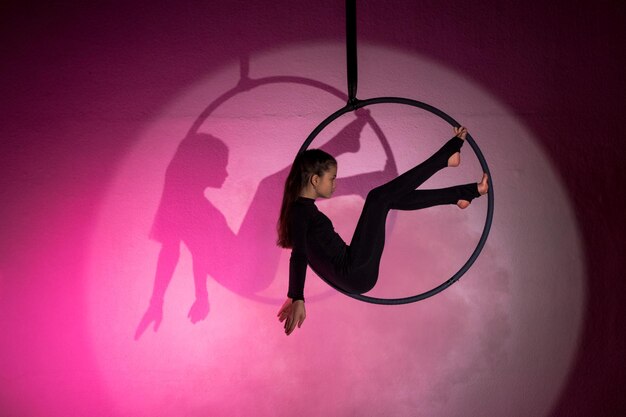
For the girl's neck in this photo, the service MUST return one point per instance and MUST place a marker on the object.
(309, 192)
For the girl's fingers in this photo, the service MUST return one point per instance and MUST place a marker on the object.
(293, 321)
(290, 328)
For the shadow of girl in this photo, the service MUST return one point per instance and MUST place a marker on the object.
(244, 262)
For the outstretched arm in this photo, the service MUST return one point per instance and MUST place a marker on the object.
(200, 308)
(168, 258)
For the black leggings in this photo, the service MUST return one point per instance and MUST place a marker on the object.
(366, 247)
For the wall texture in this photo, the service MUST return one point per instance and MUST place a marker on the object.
(128, 129)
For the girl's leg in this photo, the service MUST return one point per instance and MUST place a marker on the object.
(368, 240)
(419, 199)
(417, 175)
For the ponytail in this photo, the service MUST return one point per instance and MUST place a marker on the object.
(308, 163)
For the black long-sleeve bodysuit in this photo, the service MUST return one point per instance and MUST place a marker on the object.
(354, 268)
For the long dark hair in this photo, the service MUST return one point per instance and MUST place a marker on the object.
(308, 163)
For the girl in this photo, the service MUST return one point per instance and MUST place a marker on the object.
(313, 240)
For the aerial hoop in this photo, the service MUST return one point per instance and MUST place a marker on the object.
(247, 83)
(355, 104)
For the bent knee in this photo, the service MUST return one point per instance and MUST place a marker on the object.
(362, 284)
(376, 195)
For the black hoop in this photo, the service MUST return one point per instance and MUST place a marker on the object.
(246, 84)
(356, 104)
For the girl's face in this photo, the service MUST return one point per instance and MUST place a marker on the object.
(325, 185)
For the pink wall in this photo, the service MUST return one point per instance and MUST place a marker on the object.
(96, 103)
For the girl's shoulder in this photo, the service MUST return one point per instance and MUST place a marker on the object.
(304, 204)
(303, 209)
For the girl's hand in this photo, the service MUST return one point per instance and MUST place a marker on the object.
(292, 313)
(154, 314)
(199, 310)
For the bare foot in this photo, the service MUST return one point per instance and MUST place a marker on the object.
(463, 204)
(460, 132)
(483, 188)
(455, 159)
(483, 185)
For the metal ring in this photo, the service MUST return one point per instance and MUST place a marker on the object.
(246, 84)
(356, 104)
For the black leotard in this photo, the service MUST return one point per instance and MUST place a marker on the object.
(354, 268)
(315, 242)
